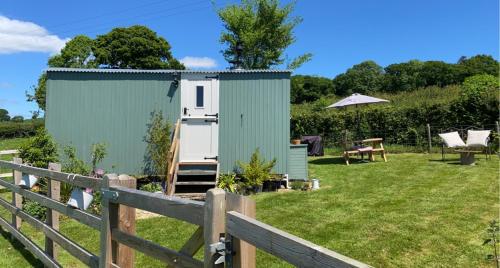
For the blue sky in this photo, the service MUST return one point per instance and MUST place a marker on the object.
(338, 33)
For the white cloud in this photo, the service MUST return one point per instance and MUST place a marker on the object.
(198, 62)
(24, 36)
(6, 85)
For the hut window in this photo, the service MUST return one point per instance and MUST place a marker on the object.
(199, 96)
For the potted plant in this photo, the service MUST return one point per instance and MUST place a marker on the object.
(256, 171)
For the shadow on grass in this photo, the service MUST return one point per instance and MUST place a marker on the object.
(336, 161)
(34, 262)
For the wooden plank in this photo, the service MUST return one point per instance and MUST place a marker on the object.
(17, 200)
(7, 152)
(195, 172)
(125, 256)
(194, 243)
(290, 248)
(73, 179)
(6, 175)
(166, 255)
(215, 208)
(30, 245)
(109, 214)
(195, 183)
(170, 206)
(82, 216)
(54, 192)
(245, 256)
(73, 248)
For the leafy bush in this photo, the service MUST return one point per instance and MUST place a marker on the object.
(35, 209)
(227, 182)
(13, 129)
(480, 84)
(158, 145)
(151, 187)
(257, 170)
(98, 152)
(40, 150)
(72, 164)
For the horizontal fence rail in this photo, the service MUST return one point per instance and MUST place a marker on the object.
(79, 215)
(290, 248)
(174, 207)
(74, 249)
(73, 179)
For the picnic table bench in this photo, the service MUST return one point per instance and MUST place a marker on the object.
(376, 147)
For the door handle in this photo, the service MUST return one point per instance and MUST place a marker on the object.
(212, 120)
(185, 110)
(216, 115)
(211, 158)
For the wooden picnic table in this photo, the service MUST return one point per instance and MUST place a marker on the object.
(375, 146)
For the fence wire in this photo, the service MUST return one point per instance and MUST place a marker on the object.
(408, 139)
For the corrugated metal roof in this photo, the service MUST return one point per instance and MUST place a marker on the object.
(78, 70)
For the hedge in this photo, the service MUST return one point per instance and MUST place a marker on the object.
(9, 129)
(396, 124)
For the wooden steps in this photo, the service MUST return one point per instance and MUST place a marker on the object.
(195, 178)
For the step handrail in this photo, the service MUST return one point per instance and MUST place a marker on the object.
(173, 158)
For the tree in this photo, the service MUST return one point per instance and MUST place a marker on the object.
(479, 64)
(403, 76)
(263, 29)
(305, 88)
(17, 119)
(135, 47)
(4, 115)
(77, 53)
(362, 78)
(439, 73)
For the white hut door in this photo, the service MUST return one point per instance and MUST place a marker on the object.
(199, 136)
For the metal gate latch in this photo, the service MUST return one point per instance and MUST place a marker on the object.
(110, 195)
(219, 248)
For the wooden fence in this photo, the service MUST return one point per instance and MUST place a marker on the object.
(226, 229)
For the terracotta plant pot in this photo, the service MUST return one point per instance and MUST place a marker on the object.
(295, 141)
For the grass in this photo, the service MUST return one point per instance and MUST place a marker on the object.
(413, 211)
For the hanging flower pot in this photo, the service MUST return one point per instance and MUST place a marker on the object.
(81, 199)
(28, 181)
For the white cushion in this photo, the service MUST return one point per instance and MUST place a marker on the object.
(452, 139)
(477, 138)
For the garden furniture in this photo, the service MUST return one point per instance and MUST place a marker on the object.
(477, 142)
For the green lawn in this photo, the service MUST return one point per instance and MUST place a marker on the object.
(413, 211)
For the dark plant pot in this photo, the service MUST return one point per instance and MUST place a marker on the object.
(257, 188)
(271, 185)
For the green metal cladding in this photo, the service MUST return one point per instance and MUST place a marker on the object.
(86, 107)
(254, 113)
(114, 108)
(297, 165)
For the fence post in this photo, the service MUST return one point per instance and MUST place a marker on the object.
(429, 141)
(54, 192)
(124, 256)
(214, 223)
(245, 255)
(109, 216)
(498, 127)
(17, 200)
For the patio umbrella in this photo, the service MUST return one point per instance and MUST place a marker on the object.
(356, 100)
